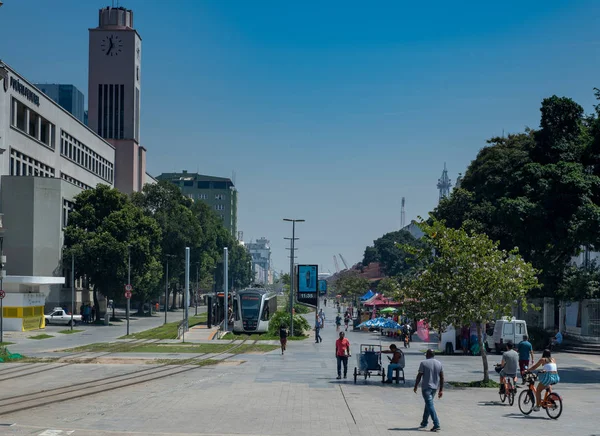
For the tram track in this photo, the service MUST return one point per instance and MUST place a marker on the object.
(49, 366)
(22, 402)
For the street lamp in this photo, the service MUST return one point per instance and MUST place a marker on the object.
(197, 287)
(167, 256)
(128, 281)
(2, 274)
(292, 250)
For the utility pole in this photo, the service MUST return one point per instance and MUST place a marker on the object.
(187, 287)
(72, 287)
(128, 282)
(167, 289)
(292, 257)
(197, 287)
(226, 288)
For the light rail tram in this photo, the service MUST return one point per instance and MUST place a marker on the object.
(252, 310)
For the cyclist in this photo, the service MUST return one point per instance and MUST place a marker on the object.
(509, 365)
(548, 376)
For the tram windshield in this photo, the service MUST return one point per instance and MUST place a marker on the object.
(250, 305)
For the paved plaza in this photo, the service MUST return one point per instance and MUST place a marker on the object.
(297, 394)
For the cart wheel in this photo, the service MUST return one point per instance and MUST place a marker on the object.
(383, 376)
(355, 374)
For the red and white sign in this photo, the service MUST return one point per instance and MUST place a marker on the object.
(2, 294)
(128, 294)
(128, 288)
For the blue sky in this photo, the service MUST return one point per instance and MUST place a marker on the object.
(330, 113)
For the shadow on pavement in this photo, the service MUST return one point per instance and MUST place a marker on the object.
(404, 429)
(521, 416)
(579, 375)
(491, 403)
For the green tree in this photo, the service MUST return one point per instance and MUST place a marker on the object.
(386, 251)
(349, 283)
(469, 279)
(180, 228)
(580, 282)
(102, 225)
(538, 190)
(390, 287)
(240, 269)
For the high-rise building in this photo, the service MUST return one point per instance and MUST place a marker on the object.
(114, 88)
(260, 251)
(218, 192)
(68, 96)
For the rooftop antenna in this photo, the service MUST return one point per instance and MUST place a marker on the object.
(402, 214)
(444, 184)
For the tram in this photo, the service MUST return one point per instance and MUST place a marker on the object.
(252, 310)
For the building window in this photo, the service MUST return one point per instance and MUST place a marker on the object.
(23, 165)
(203, 185)
(219, 207)
(74, 181)
(38, 127)
(202, 196)
(219, 197)
(188, 183)
(81, 154)
(67, 209)
(219, 185)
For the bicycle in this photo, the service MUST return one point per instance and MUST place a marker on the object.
(552, 401)
(510, 390)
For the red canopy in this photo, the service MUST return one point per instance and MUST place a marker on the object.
(380, 300)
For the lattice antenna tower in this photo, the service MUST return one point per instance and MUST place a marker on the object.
(444, 184)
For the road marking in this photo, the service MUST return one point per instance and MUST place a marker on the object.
(56, 432)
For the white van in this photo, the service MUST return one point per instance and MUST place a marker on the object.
(506, 330)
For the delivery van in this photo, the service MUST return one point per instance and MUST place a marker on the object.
(506, 330)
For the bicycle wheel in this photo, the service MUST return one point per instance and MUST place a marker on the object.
(553, 405)
(511, 397)
(526, 402)
(502, 397)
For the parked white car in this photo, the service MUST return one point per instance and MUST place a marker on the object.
(506, 330)
(59, 316)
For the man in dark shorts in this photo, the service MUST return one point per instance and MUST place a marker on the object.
(283, 335)
(525, 350)
(342, 352)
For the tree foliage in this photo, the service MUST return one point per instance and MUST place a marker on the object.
(349, 283)
(469, 279)
(537, 190)
(385, 250)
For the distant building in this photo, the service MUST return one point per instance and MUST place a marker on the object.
(68, 96)
(414, 230)
(260, 251)
(218, 192)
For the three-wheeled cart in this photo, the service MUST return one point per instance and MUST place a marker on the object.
(369, 362)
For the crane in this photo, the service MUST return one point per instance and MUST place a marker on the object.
(337, 265)
(344, 261)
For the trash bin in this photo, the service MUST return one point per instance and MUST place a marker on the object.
(107, 318)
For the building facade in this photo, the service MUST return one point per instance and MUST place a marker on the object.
(47, 157)
(68, 96)
(260, 251)
(114, 93)
(218, 192)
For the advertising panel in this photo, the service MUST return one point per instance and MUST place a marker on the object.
(307, 284)
(322, 287)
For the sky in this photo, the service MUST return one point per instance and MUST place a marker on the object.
(325, 111)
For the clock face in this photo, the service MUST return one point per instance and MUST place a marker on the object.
(111, 45)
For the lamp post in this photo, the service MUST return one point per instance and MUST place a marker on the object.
(128, 282)
(197, 287)
(167, 256)
(225, 289)
(292, 251)
(2, 274)
(72, 287)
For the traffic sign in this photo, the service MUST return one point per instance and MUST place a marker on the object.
(2, 294)
(128, 288)
(128, 294)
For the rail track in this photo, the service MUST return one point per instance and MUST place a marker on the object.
(24, 369)
(22, 402)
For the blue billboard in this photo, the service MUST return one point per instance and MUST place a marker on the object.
(322, 287)
(307, 284)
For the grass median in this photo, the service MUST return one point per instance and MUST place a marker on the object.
(42, 336)
(175, 348)
(69, 332)
(165, 331)
(260, 337)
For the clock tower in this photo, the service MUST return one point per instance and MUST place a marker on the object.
(115, 52)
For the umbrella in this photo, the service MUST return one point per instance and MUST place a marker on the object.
(389, 324)
(389, 310)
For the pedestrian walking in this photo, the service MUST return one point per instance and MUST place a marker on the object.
(342, 352)
(318, 330)
(283, 335)
(347, 320)
(432, 374)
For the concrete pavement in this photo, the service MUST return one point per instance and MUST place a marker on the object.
(297, 394)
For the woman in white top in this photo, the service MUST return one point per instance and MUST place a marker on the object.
(546, 378)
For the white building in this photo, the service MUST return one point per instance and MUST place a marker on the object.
(260, 251)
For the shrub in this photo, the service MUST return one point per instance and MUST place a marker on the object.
(539, 337)
(300, 323)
